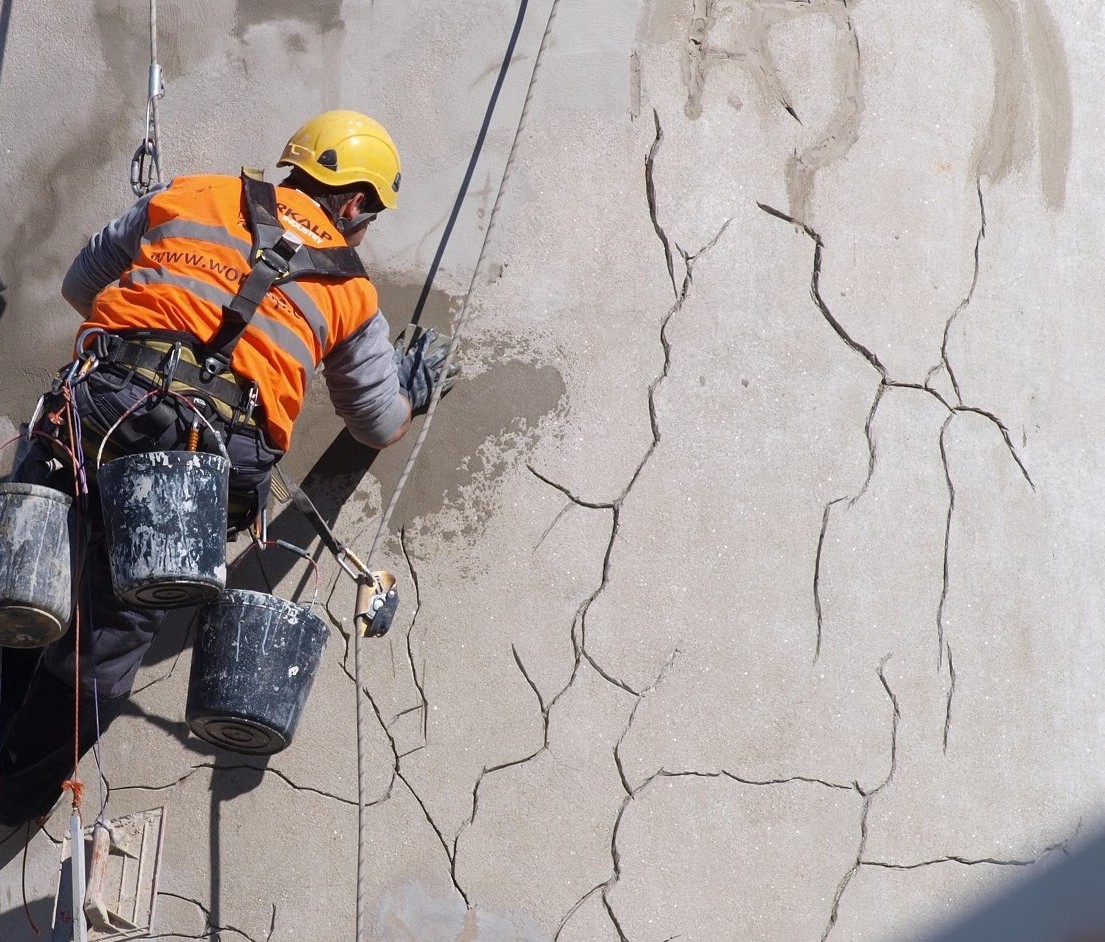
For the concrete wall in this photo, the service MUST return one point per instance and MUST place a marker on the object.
(751, 577)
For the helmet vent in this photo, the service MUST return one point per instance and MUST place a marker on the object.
(329, 159)
(395, 183)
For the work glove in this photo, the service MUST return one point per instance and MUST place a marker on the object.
(420, 367)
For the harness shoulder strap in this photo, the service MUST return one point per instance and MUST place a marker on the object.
(338, 262)
(277, 256)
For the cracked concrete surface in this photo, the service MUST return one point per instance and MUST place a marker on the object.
(750, 578)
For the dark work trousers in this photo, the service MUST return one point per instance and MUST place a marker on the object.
(37, 712)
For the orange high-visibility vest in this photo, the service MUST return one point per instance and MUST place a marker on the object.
(193, 256)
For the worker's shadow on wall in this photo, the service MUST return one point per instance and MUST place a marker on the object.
(329, 484)
(20, 921)
(232, 775)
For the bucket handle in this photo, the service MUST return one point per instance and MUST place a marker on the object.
(157, 392)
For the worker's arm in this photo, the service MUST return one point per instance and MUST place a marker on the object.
(106, 256)
(363, 382)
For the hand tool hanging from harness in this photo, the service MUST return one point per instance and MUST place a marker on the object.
(277, 256)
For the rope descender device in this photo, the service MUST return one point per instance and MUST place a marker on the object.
(377, 603)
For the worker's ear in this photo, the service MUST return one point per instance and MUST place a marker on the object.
(353, 206)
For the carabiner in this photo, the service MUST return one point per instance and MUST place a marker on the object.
(141, 172)
(169, 373)
(81, 346)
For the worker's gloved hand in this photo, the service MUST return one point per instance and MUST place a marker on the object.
(420, 367)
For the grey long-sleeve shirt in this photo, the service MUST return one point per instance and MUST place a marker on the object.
(360, 371)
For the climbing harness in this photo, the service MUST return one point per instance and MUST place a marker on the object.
(177, 363)
(278, 256)
(145, 165)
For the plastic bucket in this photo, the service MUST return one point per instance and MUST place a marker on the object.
(165, 520)
(36, 581)
(253, 664)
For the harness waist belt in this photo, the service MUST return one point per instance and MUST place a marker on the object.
(148, 356)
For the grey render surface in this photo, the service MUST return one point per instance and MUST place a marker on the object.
(751, 577)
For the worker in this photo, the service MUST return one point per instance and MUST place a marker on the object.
(170, 300)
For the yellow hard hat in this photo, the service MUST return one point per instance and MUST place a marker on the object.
(344, 148)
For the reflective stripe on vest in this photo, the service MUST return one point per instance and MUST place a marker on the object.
(269, 326)
(199, 232)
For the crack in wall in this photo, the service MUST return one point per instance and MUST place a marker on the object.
(868, 798)
(1062, 847)
(608, 886)
(945, 360)
(579, 627)
(212, 930)
(615, 853)
(184, 643)
(951, 697)
(634, 792)
(650, 197)
(615, 505)
(397, 757)
(815, 287)
(946, 570)
(214, 767)
(575, 908)
(885, 383)
(419, 679)
(397, 774)
(817, 576)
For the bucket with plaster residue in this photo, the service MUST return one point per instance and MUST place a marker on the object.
(165, 520)
(36, 583)
(253, 664)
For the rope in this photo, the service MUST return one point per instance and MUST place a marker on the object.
(473, 160)
(145, 165)
(362, 733)
(156, 89)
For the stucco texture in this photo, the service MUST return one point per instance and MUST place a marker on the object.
(750, 576)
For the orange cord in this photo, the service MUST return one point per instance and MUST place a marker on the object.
(76, 786)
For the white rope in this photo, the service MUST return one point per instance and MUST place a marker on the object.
(362, 732)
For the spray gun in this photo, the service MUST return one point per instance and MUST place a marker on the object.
(377, 597)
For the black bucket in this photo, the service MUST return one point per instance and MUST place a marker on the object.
(165, 519)
(253, 664)
(36, 581)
